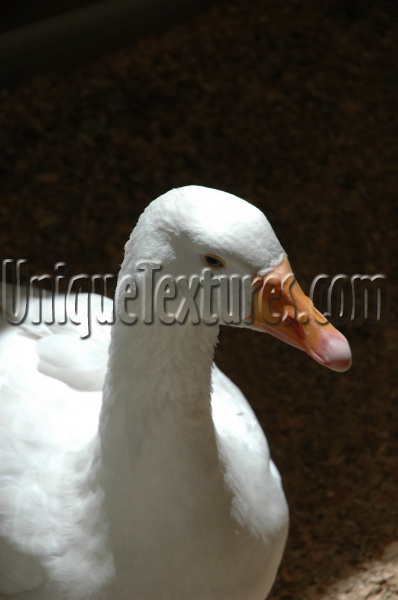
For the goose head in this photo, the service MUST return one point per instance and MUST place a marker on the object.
(193, 229)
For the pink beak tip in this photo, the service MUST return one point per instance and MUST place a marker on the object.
(337, 353)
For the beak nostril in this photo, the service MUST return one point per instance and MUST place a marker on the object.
(290, 321)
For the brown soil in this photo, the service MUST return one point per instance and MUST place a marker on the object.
(293, 106)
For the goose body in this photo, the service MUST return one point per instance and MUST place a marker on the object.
(130, 466)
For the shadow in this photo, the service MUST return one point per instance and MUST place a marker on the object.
(334, 440)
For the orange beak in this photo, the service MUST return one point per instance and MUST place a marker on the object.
(281, 308)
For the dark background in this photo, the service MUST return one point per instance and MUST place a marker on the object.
(292, 106)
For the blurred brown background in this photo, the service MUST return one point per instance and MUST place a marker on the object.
(292, 106)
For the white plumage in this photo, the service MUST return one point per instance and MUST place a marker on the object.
(145, 476)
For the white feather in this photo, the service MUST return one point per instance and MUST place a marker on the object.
(146, 475)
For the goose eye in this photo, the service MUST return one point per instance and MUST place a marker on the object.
(213, 261)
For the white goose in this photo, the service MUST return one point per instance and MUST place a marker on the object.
(160, 486)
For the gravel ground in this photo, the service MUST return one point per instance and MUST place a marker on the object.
(293, 106)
